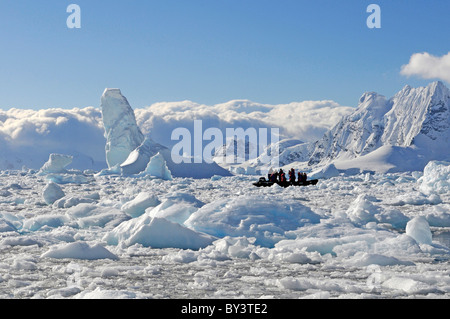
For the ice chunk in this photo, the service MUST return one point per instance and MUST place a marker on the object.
(127, 147)
(265, 218)
(173, 211)
(52, 192)
(362, 211)
(416, 198)
(115, 170)
(176, 207)
(328, 171)
(161, 233)
(157, 233)
(56, 164)
(439, 216)
(121, 130)
(48, 220)
(137, 206)
(91, 215)
(139, 158)
(6, 226)
(80, 250)
(100, 293)
(67, 178)
(408, 285)
(366, 259)
(436, 178)
(394, 217)
(157, 168)
(419, 229)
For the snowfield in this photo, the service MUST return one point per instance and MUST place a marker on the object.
(79, 234)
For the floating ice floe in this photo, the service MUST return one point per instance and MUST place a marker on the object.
(157, 167)
(436, 178)
(52, 192)
(362, 210)
(139, 204)
(79, 250)
(56, 164)
(327, 171)
(266, 219)
(419, 229)
(157, 233)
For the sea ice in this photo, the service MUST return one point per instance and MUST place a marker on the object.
(345, 237)
(266, 219)
(56, 164)
(419, 229)
(362, 210)
(52, 192)
(139, 204)
(121, 131)
(436, 178)
(157, 233)
(79, 250)
(327, 171)
(157, 167)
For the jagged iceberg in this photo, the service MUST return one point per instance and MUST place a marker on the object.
(56, 164)
(127, 146)
(157, 167)
(121, 131)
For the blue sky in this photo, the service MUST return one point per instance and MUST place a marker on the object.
(212, 51)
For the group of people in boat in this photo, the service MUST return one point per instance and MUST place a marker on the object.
(280, 176)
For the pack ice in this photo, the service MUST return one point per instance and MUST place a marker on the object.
(350, 236)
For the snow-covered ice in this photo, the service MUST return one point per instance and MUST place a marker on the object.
(350, 236)
(56, 164)
(52, 192)
(121, 131)
(157, 167)
(436, 178)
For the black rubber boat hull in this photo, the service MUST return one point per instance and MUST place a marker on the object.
(285, 184)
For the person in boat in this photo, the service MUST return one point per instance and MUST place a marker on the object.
(305, 177)
(273, 177)
(269, 174)
(292, 175)
(282, 176)
(300, 177)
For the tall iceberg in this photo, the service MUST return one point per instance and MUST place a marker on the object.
(128, 148)
(121, 130)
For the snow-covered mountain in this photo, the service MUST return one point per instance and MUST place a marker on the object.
(282, 153)
(238, 149)
(401, 133)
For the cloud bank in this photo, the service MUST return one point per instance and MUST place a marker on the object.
(27, 137)
(306, 121)
(428, 66)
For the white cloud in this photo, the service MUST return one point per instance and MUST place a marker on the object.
(27, 137)
(307, 120)
(428, 66)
